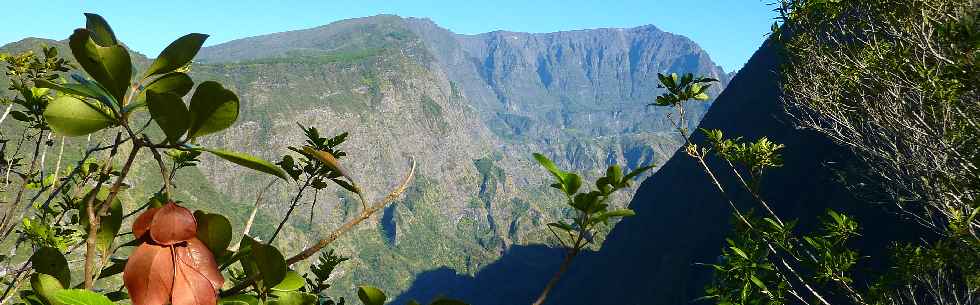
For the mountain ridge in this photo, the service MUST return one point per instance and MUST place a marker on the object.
(468, 109)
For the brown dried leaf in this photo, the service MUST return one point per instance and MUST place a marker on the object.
(197, 255)
(191, 287)
(327, 159)
(142, 223)
(173, 224)
(149, 274)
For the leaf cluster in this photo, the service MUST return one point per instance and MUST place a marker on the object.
(318, 160)
(591, 206)
(682, 88)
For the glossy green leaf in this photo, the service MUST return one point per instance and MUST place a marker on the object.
(70, 116)
(266, 262)
(213, 108)
(76, 89)
(739, 252)
(249, 162)
(177, 54)
(371, 296)
(108, 65)
(46, 286)
(100, 29)
(102, 94)
(81, 297)
(169, 112)
(292, 282)
(572, 183)
(176, 83)
(294, 298)
(214, 230)
(550, 166)
(109, 225)
(50, 261)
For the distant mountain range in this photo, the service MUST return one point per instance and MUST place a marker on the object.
(470, 109)
(657, 256)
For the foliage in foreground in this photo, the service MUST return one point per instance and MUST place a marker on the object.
(903, 96)
(180, 257)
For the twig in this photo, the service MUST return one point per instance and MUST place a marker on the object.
(292, 206)
(336, 233)
(258, 201)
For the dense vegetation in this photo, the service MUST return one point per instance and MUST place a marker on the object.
(896, 82)
(179, 257)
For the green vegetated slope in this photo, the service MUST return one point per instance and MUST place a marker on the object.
(469, 109)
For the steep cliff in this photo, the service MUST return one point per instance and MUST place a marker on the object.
(470, 109)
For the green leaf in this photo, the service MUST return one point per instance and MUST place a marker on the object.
(620, 213)
(50, 261)
(20, 116)
(241, 299)
(214, 230)
(614, 173)
(758, 283)
(739, 252)
(292, 282)
(177, 54)
(108, 65)
(294, 298)
(572, 183)
(109, 225)
(213, 108)
(100, 29)
(176, 83)
(46, 286)
(550, 166)
(249, 162)
(169, 112)
(371, 296)
(70, 116)
(266, 262)
(81, 297)
(636, 172)
(244, 249)
(76, 89)
(102, 94)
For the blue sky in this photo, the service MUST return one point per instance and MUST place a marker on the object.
(730, 30)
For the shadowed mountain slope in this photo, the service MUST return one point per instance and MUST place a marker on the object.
(682, 220)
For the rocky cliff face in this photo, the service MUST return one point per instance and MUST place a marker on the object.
(682, 221)
(469, 109)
